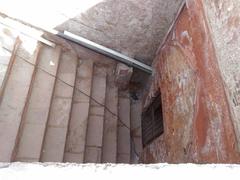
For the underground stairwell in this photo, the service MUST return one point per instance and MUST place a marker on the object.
(59, 107)
(120, 81)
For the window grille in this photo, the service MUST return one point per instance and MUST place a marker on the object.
(152, 122)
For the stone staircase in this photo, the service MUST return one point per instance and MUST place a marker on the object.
(56, 106)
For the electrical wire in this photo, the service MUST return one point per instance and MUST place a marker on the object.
(89, 96)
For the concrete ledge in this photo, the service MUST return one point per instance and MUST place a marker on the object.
(40, 171)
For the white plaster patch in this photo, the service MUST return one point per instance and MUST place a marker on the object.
(185, 34)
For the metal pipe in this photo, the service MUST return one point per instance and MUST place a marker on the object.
(105, 51)
(95, 47)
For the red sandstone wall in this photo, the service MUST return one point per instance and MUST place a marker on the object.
(199, 125)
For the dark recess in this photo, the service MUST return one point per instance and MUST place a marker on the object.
(152, 121)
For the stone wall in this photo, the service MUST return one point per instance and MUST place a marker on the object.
(197, 71)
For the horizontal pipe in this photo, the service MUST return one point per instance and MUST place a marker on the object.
(105, 51)
(95, 47)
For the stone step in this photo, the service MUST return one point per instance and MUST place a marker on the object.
(76, 136)
(14, 98)
(9, 43)
(7, 59)
(94, 139)
(7, 37)
(109, 151)
(123, 138)
(136, 132)
(37, 108)
(56, 132)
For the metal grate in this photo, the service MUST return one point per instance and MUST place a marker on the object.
(152, 122)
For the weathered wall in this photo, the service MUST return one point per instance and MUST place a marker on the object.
(224, 19)
(198, 75)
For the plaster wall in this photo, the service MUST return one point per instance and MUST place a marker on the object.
(197, 71)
